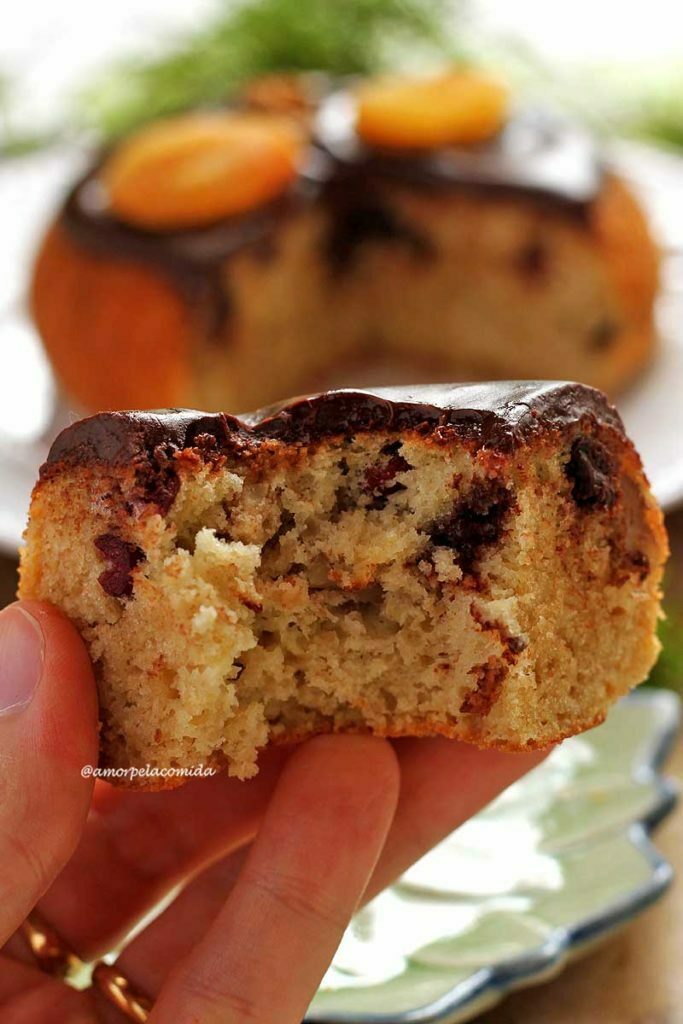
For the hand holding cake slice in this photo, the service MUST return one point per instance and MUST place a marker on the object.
(480, 561)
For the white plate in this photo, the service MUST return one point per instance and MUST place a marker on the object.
(31, 412)
(546, 872)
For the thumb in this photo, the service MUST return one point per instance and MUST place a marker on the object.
(48, 731)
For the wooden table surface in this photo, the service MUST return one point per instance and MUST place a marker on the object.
(637, 977)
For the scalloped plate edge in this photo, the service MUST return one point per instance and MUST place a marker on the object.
(490, 985)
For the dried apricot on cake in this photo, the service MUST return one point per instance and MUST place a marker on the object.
(192, 170)
(459, 107)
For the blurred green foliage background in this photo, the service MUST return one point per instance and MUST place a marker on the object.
(246, 38)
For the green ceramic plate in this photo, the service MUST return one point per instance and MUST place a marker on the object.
(556, 864)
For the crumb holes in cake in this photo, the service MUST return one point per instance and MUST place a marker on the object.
(377, 625)
(489, 681)
(287, 524)
(592, 470)
(318, 573)
(640, 564)
(478, 521)
(222, 535)
(626, 564)
(343, 501)
(122, 558)
(516, 644)
(424, 695)
(268, 640)
(388, 699)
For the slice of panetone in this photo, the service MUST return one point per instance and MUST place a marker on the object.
(478, 561)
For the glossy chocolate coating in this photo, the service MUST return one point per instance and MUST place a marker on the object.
(192, 258)
(535, 158)
(499, 415)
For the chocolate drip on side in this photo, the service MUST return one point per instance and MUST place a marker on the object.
(534, 158)
(360, 215)
(191, 258)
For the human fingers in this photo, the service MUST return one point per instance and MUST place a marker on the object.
(48, 730)
(442, 784)
(311, 861)
(137, 847)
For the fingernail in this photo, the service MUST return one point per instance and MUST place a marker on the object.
(21, 659)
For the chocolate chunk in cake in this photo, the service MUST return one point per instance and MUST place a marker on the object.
(478, 561)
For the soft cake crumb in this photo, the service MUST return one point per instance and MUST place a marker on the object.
(289, 593)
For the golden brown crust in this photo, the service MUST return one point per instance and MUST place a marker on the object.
(408, 729)
(632, 262)
(116, 332)
(631, 255)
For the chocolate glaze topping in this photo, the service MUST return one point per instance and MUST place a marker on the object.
(535, 157)
(191, 258)
(499, 415)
